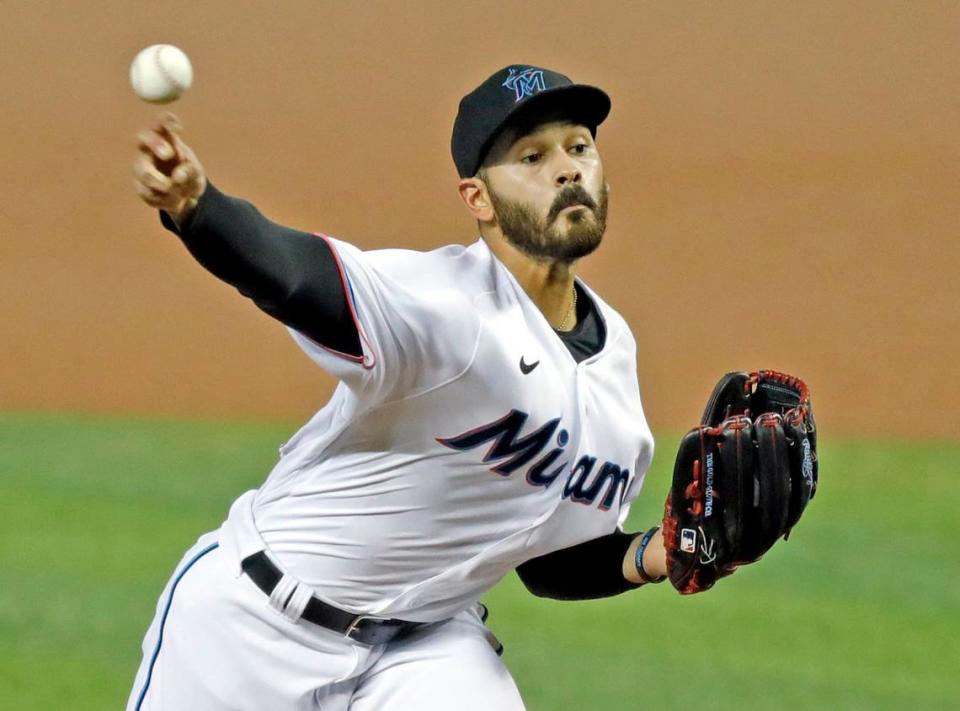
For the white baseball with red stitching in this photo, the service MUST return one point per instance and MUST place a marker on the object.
(160, 73)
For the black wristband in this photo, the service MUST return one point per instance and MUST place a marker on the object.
(638, 560)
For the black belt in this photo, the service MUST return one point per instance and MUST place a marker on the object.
(360, 628)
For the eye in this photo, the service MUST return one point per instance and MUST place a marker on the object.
(531, 158)
(579, 148)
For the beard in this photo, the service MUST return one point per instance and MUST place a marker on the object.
(543, 237)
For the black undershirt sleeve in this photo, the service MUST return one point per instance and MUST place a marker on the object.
(291, 275)
(583, 572)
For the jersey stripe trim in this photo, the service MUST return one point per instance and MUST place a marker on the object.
(163, 621)
(364, 360)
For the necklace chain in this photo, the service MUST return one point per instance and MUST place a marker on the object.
(570, 311)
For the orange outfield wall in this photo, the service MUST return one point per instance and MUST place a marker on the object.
(784, 190)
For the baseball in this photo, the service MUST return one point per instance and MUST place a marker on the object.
(160, 73)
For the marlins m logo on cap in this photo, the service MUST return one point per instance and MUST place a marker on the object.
(527, 83)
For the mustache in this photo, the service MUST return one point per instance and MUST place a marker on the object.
(573, 195)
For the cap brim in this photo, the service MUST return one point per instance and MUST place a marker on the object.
(581, 103)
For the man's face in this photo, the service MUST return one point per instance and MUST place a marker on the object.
(547, 191)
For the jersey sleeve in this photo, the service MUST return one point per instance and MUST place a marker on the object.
(417, 330)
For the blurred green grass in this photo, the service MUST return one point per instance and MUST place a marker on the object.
(858, 611)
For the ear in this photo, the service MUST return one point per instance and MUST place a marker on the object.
(475, 197)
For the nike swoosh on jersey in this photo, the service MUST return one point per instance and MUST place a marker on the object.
(525, 369)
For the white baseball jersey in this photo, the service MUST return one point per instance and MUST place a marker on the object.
(465, 441)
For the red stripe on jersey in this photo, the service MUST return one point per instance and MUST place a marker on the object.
(363, 360)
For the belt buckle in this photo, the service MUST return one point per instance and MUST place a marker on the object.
(355, 628)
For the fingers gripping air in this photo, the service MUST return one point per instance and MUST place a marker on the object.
(742, 478)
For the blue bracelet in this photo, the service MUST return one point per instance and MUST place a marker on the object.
(644, 542)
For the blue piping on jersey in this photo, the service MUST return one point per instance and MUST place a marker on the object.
(163, 620)
(350, 287)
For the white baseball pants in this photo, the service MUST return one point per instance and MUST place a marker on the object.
(216, 643)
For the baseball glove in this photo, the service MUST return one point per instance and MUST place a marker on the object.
(742, 478)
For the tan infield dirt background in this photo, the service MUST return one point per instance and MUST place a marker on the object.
(784, 177)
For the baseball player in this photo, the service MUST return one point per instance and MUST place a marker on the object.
(487, 418)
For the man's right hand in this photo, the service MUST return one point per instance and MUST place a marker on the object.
(167, 174)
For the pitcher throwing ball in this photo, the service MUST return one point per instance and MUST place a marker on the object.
(487, 418)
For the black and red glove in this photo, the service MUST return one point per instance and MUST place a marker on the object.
(742, 478)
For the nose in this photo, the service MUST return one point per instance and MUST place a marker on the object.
(567, 172)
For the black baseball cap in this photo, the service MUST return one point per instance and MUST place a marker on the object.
(517, 93)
